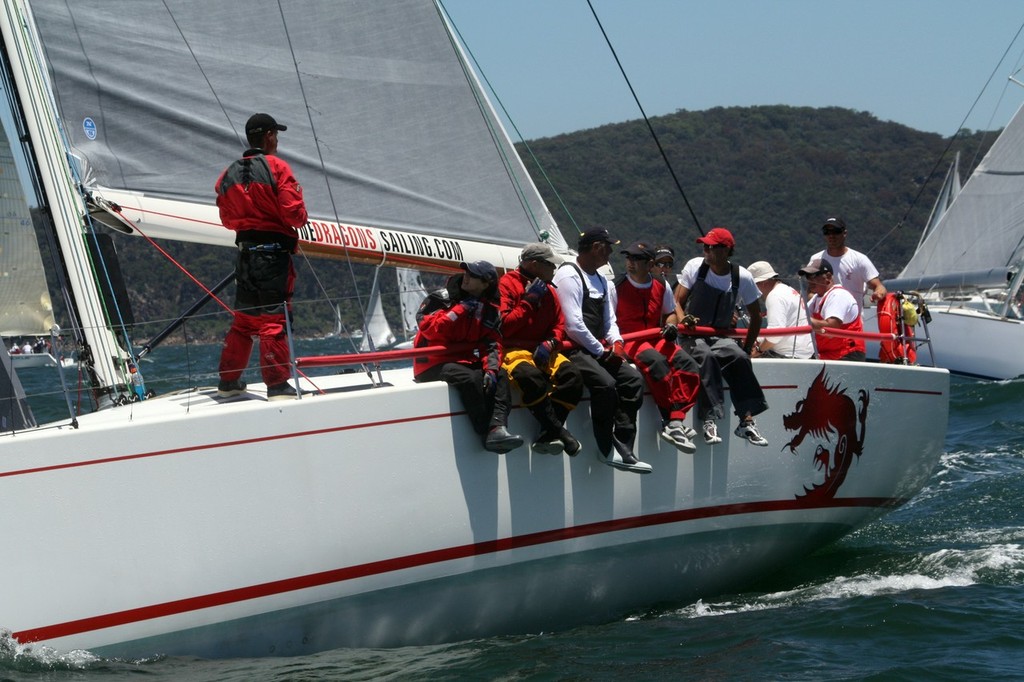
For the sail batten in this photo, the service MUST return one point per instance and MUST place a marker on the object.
(335, 72)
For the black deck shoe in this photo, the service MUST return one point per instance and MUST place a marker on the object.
(499, 440)
(570, 445)
(548, 443)
(229, 389)
(281, 391)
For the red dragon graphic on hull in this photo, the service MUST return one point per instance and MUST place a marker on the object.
(826, 412)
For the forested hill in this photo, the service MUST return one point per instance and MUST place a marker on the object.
(770, 174)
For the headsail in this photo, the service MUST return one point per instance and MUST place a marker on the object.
(25, 307)
(155, 94)
(983, 229)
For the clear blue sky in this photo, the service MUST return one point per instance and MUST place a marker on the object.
(917, 62)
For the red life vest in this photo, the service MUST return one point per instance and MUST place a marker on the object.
(835, 347)
(639, 308)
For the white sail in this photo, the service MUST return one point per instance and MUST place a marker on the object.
(982, 231)
(377, 328)
(25, 307)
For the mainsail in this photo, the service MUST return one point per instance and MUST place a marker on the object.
(25, 307)
(154, 95)
(979, 237)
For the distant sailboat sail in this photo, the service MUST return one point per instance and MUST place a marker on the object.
(377, 328)
(979, 236)
(25, 307)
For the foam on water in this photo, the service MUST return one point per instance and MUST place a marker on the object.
(28, 658)
(995, 563)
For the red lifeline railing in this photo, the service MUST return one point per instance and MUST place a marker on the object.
(407, 353)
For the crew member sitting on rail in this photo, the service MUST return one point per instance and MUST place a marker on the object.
(464, 315)
(533, 327)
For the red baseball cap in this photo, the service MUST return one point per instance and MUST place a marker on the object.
(717, 235)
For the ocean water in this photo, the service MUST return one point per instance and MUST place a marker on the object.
(934, 590)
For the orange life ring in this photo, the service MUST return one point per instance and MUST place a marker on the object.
(901, 351)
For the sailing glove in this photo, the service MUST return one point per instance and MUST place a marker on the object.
(535, 292)
(490, 382)
(542, 356)
(670, 333)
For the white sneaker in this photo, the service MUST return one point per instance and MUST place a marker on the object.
(711, 432)
(748, 430)
(675, 433)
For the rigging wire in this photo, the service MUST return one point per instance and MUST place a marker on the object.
(519, 134)
(949, 145)
(643, 113)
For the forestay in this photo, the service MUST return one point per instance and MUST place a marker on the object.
(386, 125)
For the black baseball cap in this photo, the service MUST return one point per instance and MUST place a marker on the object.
(596, 235)
(833, 225)
(481, 269)
(262, 123)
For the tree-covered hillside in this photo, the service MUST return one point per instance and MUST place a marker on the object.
(770, 174)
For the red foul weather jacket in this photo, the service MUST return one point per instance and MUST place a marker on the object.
(445, 320)
(522, 325)
(258, 193)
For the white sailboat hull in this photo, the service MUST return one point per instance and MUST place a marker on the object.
(30, 360)
(372, 517)
(967, 341)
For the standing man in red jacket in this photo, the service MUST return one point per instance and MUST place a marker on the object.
(261, 201)
(533, 327)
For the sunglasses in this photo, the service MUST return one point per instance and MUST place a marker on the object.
(708, 247)
(664, 263)
(832, 230)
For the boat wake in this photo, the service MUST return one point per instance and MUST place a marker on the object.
(997, 563)
(30, 659)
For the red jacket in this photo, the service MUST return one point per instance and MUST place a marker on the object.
(259, 192)
(444, 320)
(522, 325)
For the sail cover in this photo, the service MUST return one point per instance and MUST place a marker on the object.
(25, 307)
(386, 126)
(983, 228)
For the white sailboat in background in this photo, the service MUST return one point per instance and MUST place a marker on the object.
(25, 306)
(364, 514)
(378, 331)
(968, 264)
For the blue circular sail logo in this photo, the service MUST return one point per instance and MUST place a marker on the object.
(89, 126)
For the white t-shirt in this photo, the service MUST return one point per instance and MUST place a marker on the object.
(748, 291)
(569, 290)
(785, 308)
(837, 302)
(853, 270)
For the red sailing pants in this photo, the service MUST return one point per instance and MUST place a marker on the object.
(274, 356)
